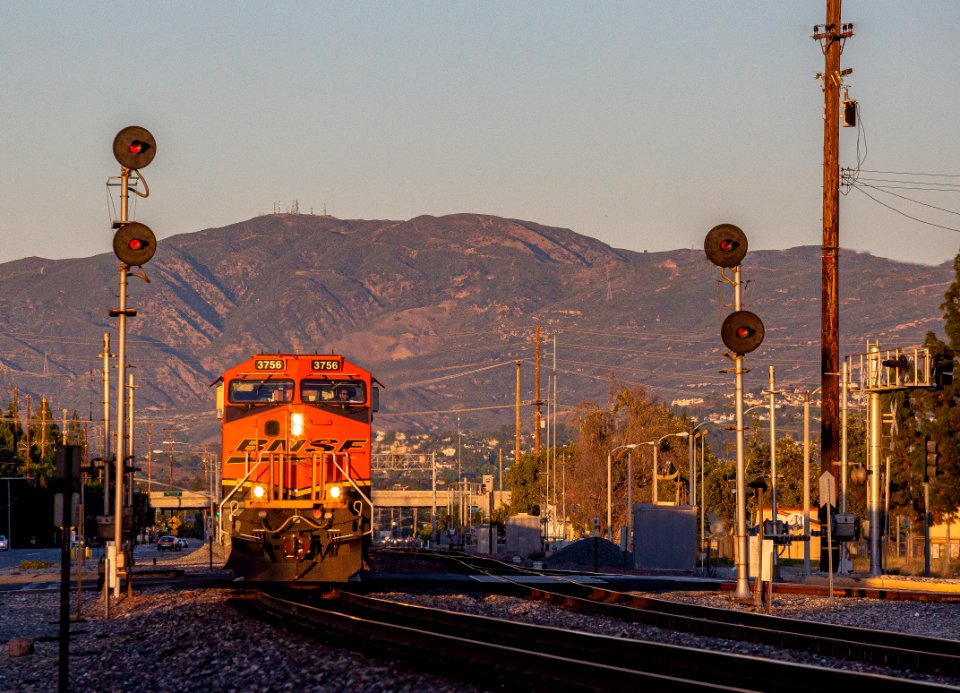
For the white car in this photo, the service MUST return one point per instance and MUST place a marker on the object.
(182, 543)
(4, 544)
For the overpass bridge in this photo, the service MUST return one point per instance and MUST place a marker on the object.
(407, 498)
(180, 500)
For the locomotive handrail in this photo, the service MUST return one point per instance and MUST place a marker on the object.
(241, 481)
(236, 488)
(346, 475)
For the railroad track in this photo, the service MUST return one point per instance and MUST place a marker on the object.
(933, 656)
(487, 650)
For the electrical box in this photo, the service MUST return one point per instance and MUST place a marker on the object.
(844, 527)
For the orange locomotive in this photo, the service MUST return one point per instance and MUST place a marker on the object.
(296, 501)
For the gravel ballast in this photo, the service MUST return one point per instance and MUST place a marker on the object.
(169, 639)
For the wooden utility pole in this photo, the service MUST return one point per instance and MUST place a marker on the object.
(516, 454)
(831, 37)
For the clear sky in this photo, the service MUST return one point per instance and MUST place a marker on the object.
(642, 124)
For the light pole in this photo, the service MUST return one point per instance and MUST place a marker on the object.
(692, 483)
(631, 446)
(703, 498)
(656, 447)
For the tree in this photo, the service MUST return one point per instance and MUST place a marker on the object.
(11, 432)
(523, 480)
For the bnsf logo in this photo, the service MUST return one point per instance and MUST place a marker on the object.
(315, 445)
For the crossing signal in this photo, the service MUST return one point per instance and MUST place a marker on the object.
(742, 332)
(134, 147)
(134, 244)
(943, 368)
(933, 458)
(725, 245)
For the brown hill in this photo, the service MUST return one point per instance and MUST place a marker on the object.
(439, 309)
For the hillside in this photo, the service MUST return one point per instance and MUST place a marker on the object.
(420, 302)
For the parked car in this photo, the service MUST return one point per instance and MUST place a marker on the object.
(182, 543)
(4, 544)
(168, 543)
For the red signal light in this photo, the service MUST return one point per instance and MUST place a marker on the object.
(134, 147)
(725, 245)
(134, 244)
(742, 332)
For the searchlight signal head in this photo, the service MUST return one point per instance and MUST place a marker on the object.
(725, 245)
(742, 332)
(134, 147)
(134, 244)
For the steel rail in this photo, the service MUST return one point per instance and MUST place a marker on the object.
(929, 655)
(461, 654)
(597, 661)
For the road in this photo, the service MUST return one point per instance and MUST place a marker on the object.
(143, 554)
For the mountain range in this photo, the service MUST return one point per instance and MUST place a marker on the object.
(439, 308)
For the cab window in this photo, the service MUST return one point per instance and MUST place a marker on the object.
(333, 391)
(259, 391)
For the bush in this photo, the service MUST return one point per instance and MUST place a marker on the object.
(34, 565)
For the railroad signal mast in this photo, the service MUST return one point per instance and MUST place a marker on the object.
(742, 332)
(890, 371)
(134, 244)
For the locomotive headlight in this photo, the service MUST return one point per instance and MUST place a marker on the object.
(296, 424)
(335, 492)
(258, 491)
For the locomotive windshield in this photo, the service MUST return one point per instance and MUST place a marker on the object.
(333, 391)
(258, 391)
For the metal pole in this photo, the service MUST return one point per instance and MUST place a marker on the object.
(106, 422)
(433, 486)
(927, 520)
(563, 477)
(743, 582)
(130, 440)
(121, 386)
(703, 501)
(773, 470)
(629, 499)
(9, 515)
(873, 501)
(609, 499)
(806, 483)
(656, 444)
(516, 447)
(692, 470)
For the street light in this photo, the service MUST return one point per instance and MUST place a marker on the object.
(692, 483)
(631, 446)
(703, 499)
(656, 447)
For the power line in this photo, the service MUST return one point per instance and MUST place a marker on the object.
(894, 209)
